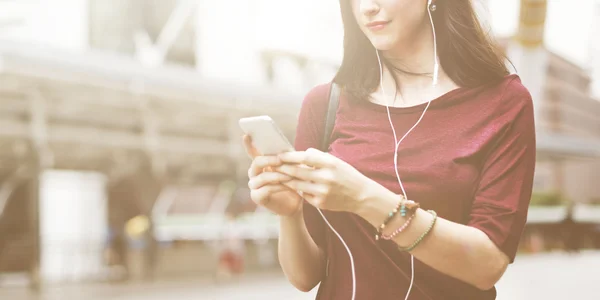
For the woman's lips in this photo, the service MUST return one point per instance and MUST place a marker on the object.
(378, 25)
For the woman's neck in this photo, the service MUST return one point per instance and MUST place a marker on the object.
(412, 69)
(412, 62)
(403, 90)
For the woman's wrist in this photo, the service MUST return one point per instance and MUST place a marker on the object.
(376, 203)
(296, 216)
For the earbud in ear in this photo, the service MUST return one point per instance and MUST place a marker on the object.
(432, 7)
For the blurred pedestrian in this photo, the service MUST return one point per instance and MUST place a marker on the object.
(231, 251)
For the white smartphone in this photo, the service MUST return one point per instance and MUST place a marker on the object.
(267, 137)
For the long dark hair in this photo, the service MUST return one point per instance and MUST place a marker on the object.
(466, 52)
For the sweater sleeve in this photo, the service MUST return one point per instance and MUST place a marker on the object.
(504, 192)
(309, 132)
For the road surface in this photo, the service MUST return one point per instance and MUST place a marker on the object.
(544, 276)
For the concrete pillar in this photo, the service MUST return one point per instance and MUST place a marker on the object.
(149, 187)
(73, 224)
(527, 50)
(40, 157)
(559, 172)
(33, 199)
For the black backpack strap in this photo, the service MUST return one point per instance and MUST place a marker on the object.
(334, 99)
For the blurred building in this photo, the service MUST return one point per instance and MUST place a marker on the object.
(568, 138)
(141, 98)
(567, 115)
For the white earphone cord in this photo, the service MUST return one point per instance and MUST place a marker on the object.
(396, 145)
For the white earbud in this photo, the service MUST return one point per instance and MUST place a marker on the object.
(436, 65)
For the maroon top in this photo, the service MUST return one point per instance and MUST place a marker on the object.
(471, 159)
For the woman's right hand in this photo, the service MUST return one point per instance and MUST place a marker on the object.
(267, 187)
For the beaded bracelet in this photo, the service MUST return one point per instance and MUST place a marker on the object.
(420, 238)
(399, 230)
(402, 206)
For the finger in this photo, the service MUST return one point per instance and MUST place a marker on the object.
(261, 196)
(301, 172)
(307, 187)
(261, 162)
(267, 178)
(311, 157)
(249, 147)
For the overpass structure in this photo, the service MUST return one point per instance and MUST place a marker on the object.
(102, 112)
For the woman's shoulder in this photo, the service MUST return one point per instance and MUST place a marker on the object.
(513, 92)
(505, 97)
(512, 105)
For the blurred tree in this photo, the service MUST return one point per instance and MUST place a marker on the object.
(548, 199)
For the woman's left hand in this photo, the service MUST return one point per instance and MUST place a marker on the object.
(325, 181)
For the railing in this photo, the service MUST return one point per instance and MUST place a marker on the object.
(250, 226)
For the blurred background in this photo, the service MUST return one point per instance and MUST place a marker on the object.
(122, 174)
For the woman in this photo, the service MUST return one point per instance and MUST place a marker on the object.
(467, 163)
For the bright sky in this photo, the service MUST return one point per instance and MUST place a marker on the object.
(310, 26)
(291, 25)
(568, 25)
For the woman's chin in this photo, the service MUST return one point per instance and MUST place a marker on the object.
(382, 43)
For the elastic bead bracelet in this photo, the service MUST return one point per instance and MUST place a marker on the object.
(389, 217)
(402, 207)
(420, 238)
(399, 230)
